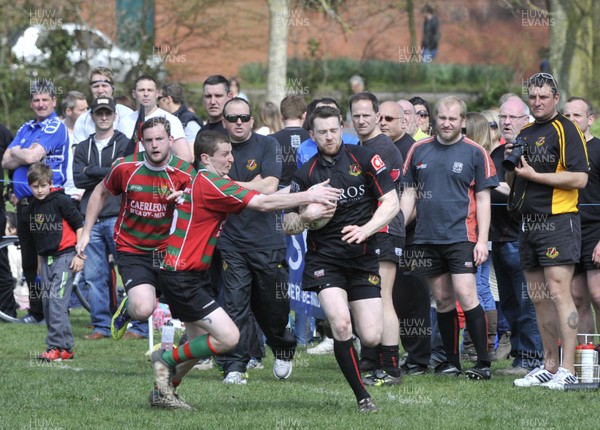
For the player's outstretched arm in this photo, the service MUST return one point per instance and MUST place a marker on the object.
(386, 211)
(268, 185)
(326, 196)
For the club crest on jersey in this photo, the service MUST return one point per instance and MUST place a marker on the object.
(374, 279)
(541, 140)
(39, 218)
(457, 167)
(552, 252)
(251, 164)
(377, 163)
(162, 190)
(354, 170)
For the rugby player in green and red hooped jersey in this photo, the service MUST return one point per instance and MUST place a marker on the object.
(150, 184)
(184, 279)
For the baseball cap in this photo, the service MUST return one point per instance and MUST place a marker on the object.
(103, 103)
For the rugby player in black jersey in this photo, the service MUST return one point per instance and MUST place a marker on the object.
(341, 263)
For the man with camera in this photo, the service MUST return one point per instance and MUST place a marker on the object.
(548, 166)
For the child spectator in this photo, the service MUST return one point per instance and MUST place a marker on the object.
(55, 225)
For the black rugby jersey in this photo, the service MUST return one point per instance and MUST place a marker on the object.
(253, 230)
(392, 158)
(289, 139)
(364, 178)
(556, 145)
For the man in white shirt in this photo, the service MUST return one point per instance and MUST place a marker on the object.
(146, 94)
(101, 85)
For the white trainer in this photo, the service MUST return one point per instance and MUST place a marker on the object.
(282, 369)
(537, 376)
(325, 347)
(561, 378)
(238, 378)
(204, 364)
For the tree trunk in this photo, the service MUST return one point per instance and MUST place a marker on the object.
(410, 11)
(571, 46)
(278, 34)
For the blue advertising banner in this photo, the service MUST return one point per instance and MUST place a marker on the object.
(305, 304)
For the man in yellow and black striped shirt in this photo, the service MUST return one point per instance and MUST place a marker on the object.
(544, 188)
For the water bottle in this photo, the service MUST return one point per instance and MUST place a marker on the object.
(168, 335)
(589, 359)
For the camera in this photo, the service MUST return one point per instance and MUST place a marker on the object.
(519, 148)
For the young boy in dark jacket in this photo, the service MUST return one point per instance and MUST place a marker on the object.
(55, 225)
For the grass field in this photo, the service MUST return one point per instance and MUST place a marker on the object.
(107, 387)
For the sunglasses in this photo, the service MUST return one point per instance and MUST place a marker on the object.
(423, 114)
(493, 125)
(389, 118)
(160, 98)
(234, 118)
(546, 76)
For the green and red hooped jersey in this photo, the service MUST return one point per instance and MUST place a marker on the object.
(200, 219)
(146, 215)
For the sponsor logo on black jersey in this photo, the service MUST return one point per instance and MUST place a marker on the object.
(377, 163)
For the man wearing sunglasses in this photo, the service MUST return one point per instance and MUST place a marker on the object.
(422, 114)
(252, 248)
(411, 295)
(544, 190)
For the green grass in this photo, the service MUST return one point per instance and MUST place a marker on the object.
(107, 387)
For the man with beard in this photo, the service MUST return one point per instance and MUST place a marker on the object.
(451, 175)
(151, 182)
(341, 264)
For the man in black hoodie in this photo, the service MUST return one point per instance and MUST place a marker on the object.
(93, 159)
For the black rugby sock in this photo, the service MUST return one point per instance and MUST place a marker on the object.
(449, 327)
(477, 326)
(347, 359)
(389, 358)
